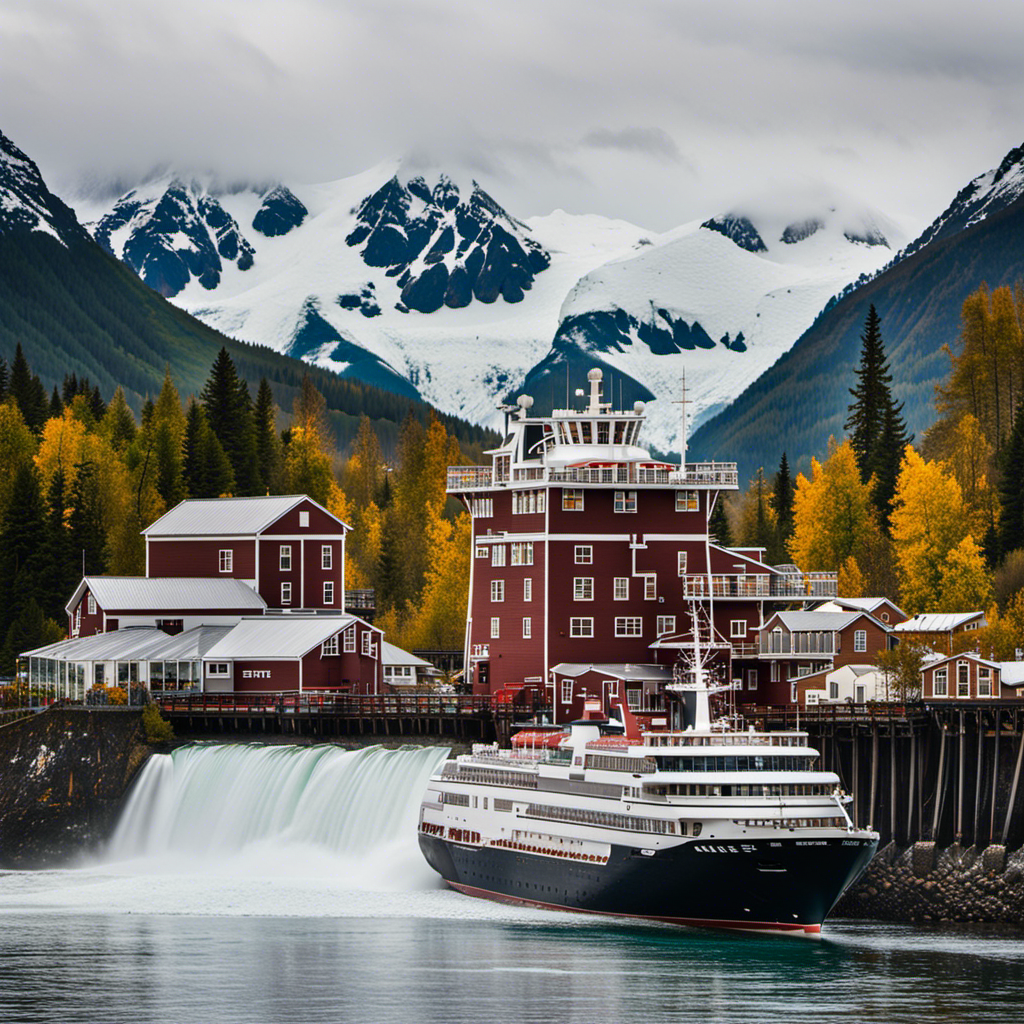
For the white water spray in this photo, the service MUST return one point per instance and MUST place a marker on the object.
(267, 809)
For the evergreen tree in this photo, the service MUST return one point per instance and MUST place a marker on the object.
(119, 423)
(782, 502)
(229, 410)
(1011, 487)
(96, 404)
(168, 427)
(58, 566)
(85, 523)
(268, 444)
(718, 523)
(69, 389)
(4, 380)
(207, 470)
(22, 545)
(56, 405)
(28, 392)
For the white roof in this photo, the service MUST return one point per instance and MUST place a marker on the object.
(616, 671)
(135, 643)
(1011, 673)
(817, 620)
(864, 604)
(936, 622)
(142, 593)
(284, 636)
(392, 655)
(226, 516)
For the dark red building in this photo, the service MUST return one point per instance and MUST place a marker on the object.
(586, 550)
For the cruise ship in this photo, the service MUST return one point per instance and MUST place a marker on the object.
(707, 824)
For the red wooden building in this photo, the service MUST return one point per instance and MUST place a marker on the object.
(587, 549)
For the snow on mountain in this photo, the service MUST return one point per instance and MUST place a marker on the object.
(986, 195)
(720, 300)
(26, 204)
(427, 286)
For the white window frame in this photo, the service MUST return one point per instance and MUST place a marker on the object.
(92, 605)
(572, 499)
(625, 502)
(567, 691)
(366, 647)
(286, 593)
(833, 690)
(495, 627)
(326, 556)
(681, 563)
(481, 551)
(581, 627)
(650, 587)
(737, 629)
(620, 588)
(527, 588)
(220, 669)
(940, 677)
(860, 641)
(348, 640)
(687, 501)
(583, 588)
(329, 648)
(522, 552)
(303, 520)
(527, 627)
(284, 558)
(984, 681)
(773, 671)
(498, 555)
(629, 625)
(328, 591)
(666, 625)
(583, 554)
(226, 559)
(751, 679)
(497, 590)
(966, 665)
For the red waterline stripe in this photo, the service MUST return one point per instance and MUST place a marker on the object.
(694, 922)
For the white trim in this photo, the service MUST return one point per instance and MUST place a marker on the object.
(302, 572)
(187, 537)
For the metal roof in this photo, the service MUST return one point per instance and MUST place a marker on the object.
(864, 604)
(134, 643)
(392, 655)
(141, 593)
(616, 671)
(1011, 673)
(936, 622)
(800, 621)
(287, 636)
(213, 517)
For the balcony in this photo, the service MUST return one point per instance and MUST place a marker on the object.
(469, 478)
(779, 644)
(762, 586)
(706, 474)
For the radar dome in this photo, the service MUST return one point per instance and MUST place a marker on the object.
(638, 407)
(525, 402)
(594, 374)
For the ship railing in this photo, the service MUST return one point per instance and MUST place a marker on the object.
(468, 478)
(745, 739)
(706, 474)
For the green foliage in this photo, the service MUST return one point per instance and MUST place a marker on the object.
(902, 668)
(155, 726)
(207, 471)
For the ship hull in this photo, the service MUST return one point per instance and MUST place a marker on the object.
(774, 885)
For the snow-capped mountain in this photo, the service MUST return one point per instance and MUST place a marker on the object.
(26, 204)
(981, 198)
(719, 300)
(430, 287)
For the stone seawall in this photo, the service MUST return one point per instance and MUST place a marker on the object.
(922, 883)
(63, 777)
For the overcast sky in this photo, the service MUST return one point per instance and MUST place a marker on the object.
(657, 111)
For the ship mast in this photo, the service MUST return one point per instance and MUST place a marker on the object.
(682, 435)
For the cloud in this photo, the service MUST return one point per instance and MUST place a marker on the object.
(654, 142)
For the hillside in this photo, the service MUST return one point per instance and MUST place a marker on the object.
(803, 397)
(76, 309)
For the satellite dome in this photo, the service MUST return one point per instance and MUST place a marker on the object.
(638, 407)
(595, 374)
(525, 402)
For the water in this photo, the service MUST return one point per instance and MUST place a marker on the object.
(284, 884)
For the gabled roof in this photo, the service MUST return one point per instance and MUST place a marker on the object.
(227, 517)
(962, 656)
(167, 593)
(619, 670)
(277, 637)
(937, 622)
(820, 621)
(392, 655)
(863, 604)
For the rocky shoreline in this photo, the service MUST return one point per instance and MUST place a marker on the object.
(921, 883)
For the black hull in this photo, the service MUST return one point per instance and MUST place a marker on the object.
(778, 885)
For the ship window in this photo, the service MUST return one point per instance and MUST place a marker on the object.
(585, 433)
(620, 432)
(602, 433)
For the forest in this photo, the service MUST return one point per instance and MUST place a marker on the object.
(81, 476)
(936, 523)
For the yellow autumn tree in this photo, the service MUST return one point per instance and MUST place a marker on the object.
(439, 621)
(17, 449)
(964, 582)
(832, 512)
(851, 580)
(61, 444)
(928, 523)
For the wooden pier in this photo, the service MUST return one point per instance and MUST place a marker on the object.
(942, 771)
(466, 718)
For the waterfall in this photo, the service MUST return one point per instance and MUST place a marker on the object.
(208, 802)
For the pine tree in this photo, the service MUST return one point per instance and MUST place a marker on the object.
(28, 392)
(718, 524)
(56, 405)
(229, 410)
(207, 471)
(168, 427)
(119, 423)
(85, 522)
(268, 444)
(22, 545)
(866, 410)
(57, 564)
(4, 380)
(1011, 487)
